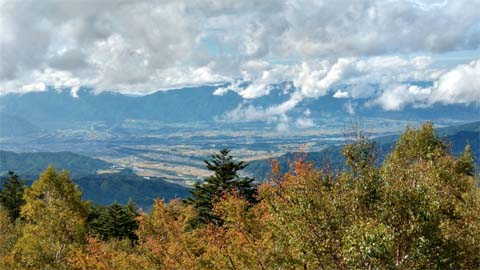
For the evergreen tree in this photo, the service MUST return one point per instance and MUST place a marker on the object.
(11, 196)
(114, 221)
(225, 179)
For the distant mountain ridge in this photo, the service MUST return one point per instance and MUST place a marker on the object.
(32, 111)
(31, 164)
(104, 188)
(119, 187)
(456, 136)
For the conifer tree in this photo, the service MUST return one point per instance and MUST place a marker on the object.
(11, 196)
(114, 221)
(224, 179)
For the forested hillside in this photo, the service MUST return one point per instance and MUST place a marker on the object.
(417, 209)
(120, 187)
(105, 188)
(29, 165)
(456, 137)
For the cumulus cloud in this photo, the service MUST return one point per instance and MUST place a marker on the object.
(145, 45)
(248, 112)
(317, 79)
(350, 107)
(310, 46)
(396, 97)
(341, 94)
(304, 122)
(258, 78)
(460, 85)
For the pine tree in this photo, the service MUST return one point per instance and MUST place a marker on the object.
(114, 221)
(11, 196)
(224, 179)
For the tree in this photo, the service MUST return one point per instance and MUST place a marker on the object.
(166, 241)
(224, 180)
(114, 221)
(9, 234)
(11, 196)
(431, 204)
(419, 210)
(113, 254)
(465, 163)
(54, 215)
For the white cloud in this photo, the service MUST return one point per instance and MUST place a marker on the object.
(140, 45)
(350, 107)
(315, 45)
(257, 79)
(460, 85)
(304, 122)
(315, 81)
(275, 113)
(34, 87)
(396, 97)
(341, 94)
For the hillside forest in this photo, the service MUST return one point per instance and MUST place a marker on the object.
(417, 208)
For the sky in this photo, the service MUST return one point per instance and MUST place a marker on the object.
(142, 46)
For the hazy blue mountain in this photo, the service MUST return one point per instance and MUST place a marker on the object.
(119, 187)
(102, 189)
(456, 136)
(31, 164)
(59, 109)
(105, 189)
(329, 106)
(54, 109)
(11, 126)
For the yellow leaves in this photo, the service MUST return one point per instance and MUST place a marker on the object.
(98, 255)
(369, 244)
(55, 217)
(164, 239)
(9, 234)
(420, 210)
(241, 242)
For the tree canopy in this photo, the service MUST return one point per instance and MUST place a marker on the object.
(418, 209)
(55, 216)
(225, 179)
(11, 195)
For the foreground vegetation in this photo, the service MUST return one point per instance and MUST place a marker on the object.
(420, 209)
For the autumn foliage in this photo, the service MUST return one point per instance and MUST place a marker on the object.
(420, 209)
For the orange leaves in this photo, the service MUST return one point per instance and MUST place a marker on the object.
(99, 255)
(164, 238)
(419, 211)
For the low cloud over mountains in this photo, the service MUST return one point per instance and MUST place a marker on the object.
(139, 47)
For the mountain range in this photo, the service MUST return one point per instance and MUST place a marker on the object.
(118, 185)
(22, 114)
(456, 137)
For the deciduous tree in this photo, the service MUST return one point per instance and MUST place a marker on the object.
(54, 215)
